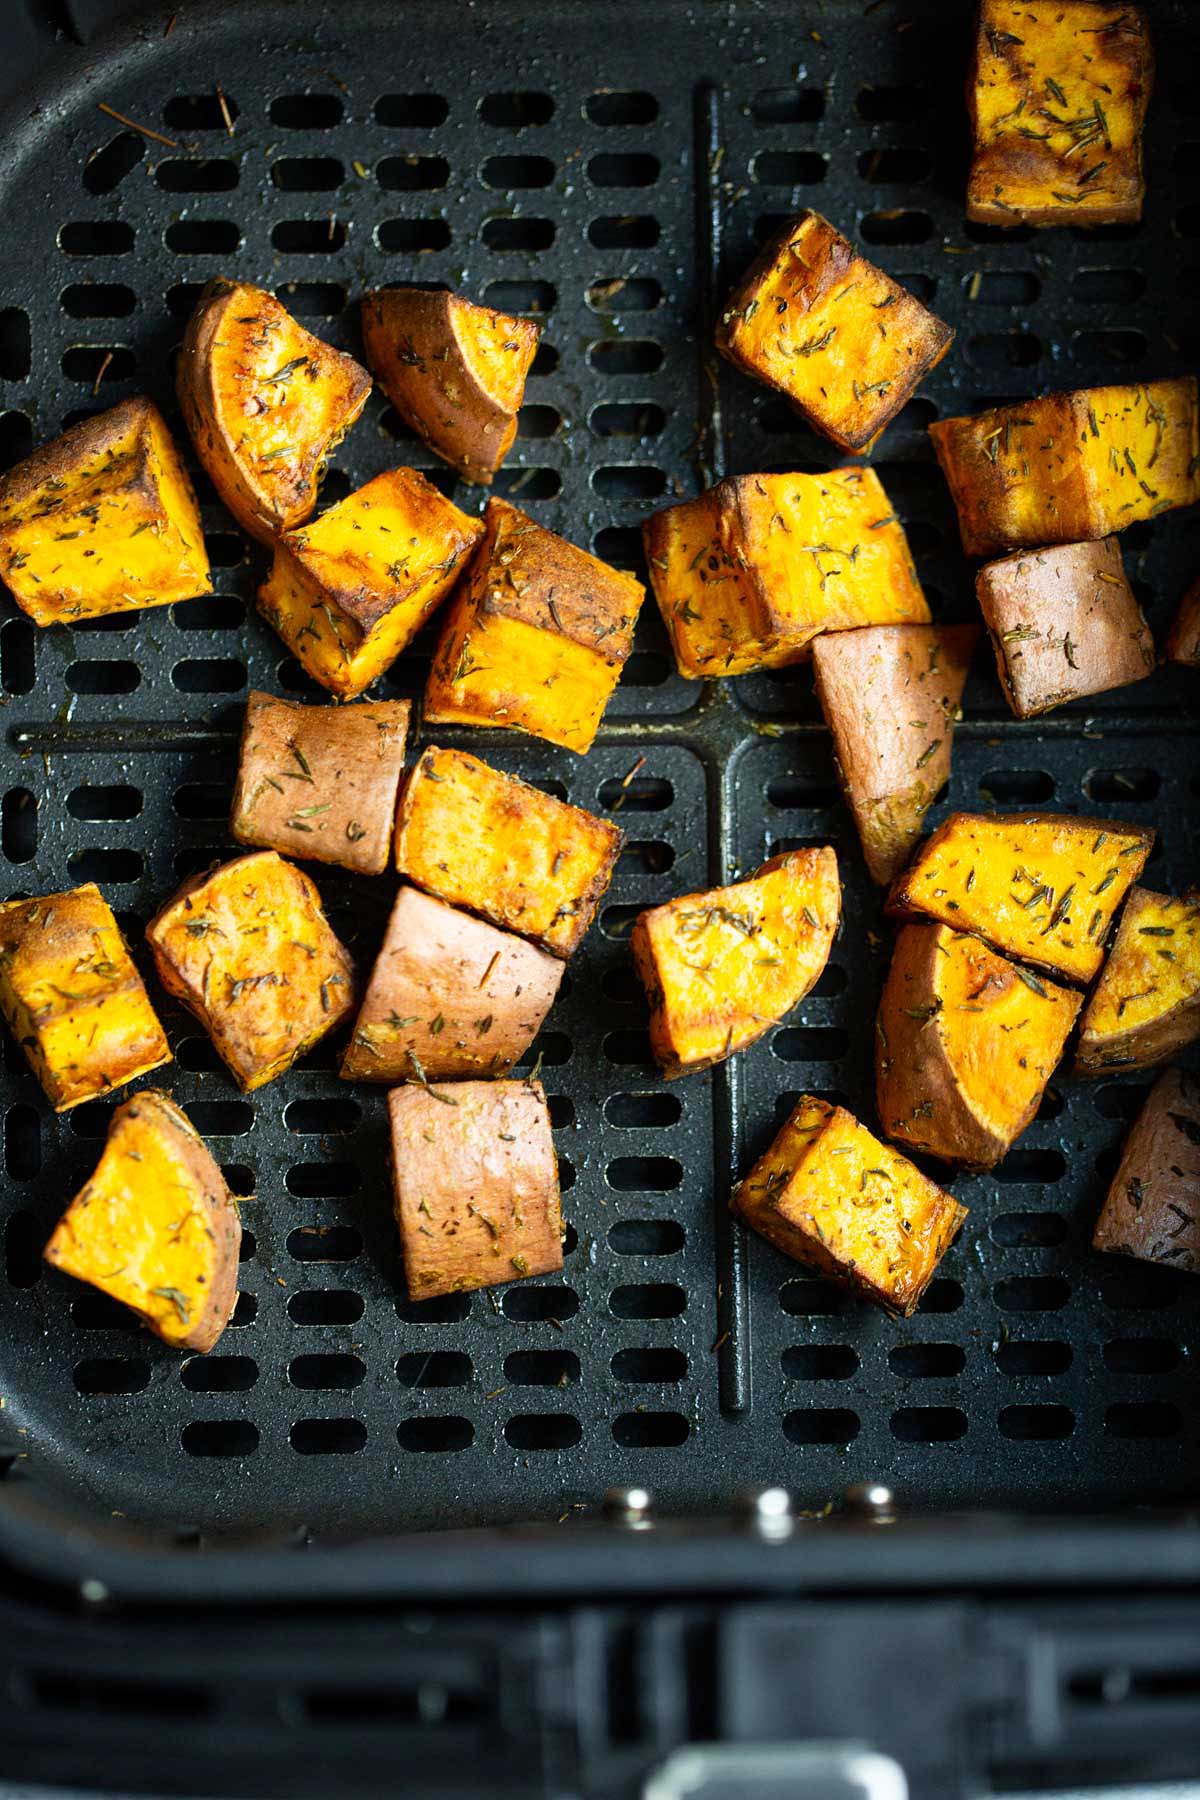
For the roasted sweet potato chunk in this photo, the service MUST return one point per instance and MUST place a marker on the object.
(1146, 1004)
(247, 948)
(1183, 639)
(747, 575)
(484, 840)
(535, 638)
(321, 781)
(831, 1195)
(720, 968)
(455, 371)
(72, 997)
(265, 402)
(155, 1227)
(1153, 1206)
(449, 996)
(102, 520)
(349, 591)
(1065, 623)
(890, 694)
(844, 342)
(476, 1185)
(965, 1044)
(1057, 93)
(1071, 466)
(1040, 887)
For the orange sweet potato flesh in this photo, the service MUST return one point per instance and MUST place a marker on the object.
(1152, 1210)
(1040, 887)
(721, 967)
(155, 1227)
(749, 573)
(102, 520)
(831, 1195)
(72, 997)
(1183, 639)
(265, 402)
(481, 839)
(890, 694)
(845, 343)
(455, 371)
(965, 1044)
(1146, 1005)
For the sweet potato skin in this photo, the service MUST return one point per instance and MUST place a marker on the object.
(965, 1043)
(1183, 639)
(449, 997)
(890, 694)
(1039, 887)
(453, 370)
(155, 1226)
(525, 861)
(72, 997)
(320, 781)
(1152, 1211)
(1146, 1004)
(845, 343)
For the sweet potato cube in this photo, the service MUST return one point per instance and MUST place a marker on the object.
(455, 371)
(247, 948)
(844, 342)
(1071, 466)
(449, 996)
(747, 574)
(155, 1227)
(1146, 1004)
(476, 1185)
(72, 997)
(535, 638)
(102, 520)
(265, 402)
(1153, 1206)
(890, 695)
(1183, 639)
(1040, 887)
(349, 591)
(481, 839)
(720, 968)
(1057, 95)
(321, 781)
(965, 1043)
(831, 1195)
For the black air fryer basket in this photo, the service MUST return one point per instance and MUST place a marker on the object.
(1018, 1586)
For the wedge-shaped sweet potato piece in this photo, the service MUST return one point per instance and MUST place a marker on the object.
(965, 1043)
(845, 343)
(1040, 887)
(484, 840)
(1071, 466)
(1057, 94)
(265, 402)
(72, 997)
(155, 1227)
(535, 638)
(1065, 623)
(247, 948)
(831, 1195)
(890, 694)
(476, 1185)
(747, 574)
(1153, 1206)
(102, 520)
(455, 371)
(321, 781)
(1183, 639)
(449, 996)
(1146, 1004)
(720, 968)
(348, 592)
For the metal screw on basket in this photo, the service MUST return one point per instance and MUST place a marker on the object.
(871, 1500)
(629, 1506)
(765, 1510)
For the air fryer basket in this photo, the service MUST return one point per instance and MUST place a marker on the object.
(612, 170)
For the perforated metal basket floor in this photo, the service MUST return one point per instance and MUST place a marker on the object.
(610, 168)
